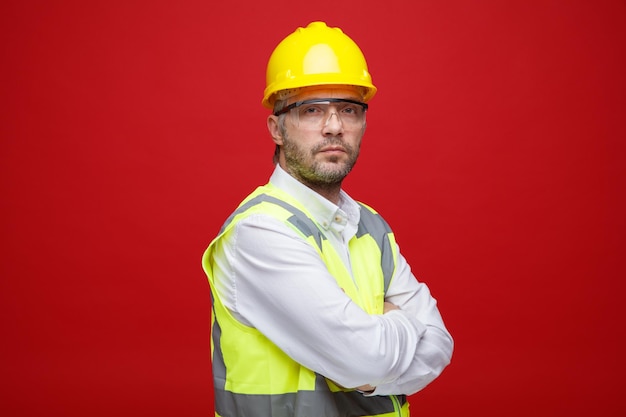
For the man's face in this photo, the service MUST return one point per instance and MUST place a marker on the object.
(324, 152)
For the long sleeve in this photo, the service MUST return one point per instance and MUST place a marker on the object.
(434, 349)
(274, 281)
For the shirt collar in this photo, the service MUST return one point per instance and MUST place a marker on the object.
(324, 212)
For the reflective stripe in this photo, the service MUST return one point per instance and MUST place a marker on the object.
(219, 367)
(302, 222)
(373, 224)
(304, 404)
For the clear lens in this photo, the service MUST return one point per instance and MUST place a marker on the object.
(318, 112)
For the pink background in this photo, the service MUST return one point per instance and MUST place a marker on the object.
(495, 149)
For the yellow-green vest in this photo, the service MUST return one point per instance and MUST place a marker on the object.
(251, 375)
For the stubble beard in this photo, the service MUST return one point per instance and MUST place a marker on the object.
(330, 172)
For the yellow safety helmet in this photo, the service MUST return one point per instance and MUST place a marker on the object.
(316, 55)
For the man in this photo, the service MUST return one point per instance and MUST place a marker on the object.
(315, 311)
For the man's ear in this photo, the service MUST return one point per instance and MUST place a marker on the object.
(274, 129)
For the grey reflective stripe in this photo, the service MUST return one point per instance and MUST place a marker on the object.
(374, 225)
(323, 403)
(370, 223)
(319, 403)
(219, 367)
(302, 222)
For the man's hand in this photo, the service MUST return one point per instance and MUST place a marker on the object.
(366, 389)
(386, 308)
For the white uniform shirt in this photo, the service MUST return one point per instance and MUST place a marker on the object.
(273, 280)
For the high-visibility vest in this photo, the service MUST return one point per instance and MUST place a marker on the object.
(241, 355)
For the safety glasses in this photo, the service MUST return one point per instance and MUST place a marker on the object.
(317, 112)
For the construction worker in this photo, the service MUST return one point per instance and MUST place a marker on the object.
(315, 311)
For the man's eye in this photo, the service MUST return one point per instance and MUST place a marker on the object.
(311, 110)
(352, 110)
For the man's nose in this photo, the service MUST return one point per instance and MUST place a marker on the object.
(333, 124)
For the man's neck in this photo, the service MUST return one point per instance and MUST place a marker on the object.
(330, 192)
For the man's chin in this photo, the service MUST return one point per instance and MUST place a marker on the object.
(333, 173)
